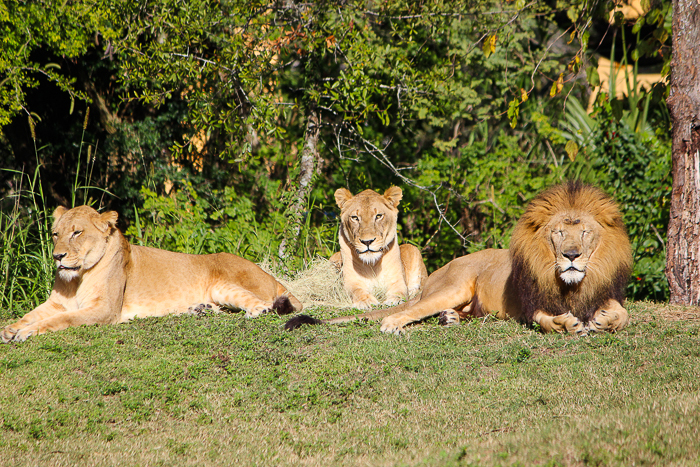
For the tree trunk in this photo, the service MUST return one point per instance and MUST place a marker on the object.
(307, 169)
(683, 252)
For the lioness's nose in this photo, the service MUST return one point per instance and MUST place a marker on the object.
(368, 242)
(59, 256)
(571, 254)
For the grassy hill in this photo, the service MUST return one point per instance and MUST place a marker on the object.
(222, 390)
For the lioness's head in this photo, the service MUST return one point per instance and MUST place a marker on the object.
(80, 237)
(368, 221)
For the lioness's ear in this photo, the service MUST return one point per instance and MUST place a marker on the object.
(58, 213)
(394, 195)
(107, 220)
(342, 196)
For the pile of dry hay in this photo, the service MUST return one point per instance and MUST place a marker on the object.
(320, 284)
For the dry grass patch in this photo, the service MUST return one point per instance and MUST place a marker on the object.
(319, 285)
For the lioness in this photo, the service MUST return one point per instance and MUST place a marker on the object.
(369, 256)
(101, 278)
(566, 270)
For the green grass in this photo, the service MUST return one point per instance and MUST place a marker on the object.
(222, 390)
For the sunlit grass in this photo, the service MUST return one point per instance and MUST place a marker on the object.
(220, 389)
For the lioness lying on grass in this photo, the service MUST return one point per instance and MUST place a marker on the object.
(370, 256)
(101, 278)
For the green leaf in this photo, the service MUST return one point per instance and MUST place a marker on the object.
(513, 112)
(593, 76)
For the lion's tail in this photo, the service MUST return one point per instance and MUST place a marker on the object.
(374, 315)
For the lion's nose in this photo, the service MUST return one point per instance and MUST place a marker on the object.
(571, 254)
(368, 242)
(59, 256)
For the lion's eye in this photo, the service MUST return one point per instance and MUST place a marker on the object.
(379, 216)
(76, 233)
(355, 218)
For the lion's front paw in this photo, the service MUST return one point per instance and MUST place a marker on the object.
(561, 323)
(448, 318)
(609, 320)
(569, 323)
(394, 324)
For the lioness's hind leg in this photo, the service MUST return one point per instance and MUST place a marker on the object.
(232, 296)
(610, 317)
(560, 323)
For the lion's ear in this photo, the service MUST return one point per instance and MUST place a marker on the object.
(342, 196)
(58, 213)
(394, 195)
(108, 220)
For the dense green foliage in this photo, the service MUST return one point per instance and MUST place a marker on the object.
(191, 118)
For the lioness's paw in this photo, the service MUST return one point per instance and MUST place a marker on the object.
(8, 334)
(393, 325)
(392, 300)
(365, 303)
(25, 333)
(257, 311)
(448, 318)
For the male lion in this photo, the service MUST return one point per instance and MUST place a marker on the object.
(369, 255)
(101, 278)
(566, 270)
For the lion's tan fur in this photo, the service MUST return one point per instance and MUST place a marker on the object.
(101, 278)
(370, 257)
(525, 282)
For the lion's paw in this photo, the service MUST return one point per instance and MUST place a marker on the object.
(448, 318)
(569, 323)
(561, 323)
(393, 325)
(609, 320)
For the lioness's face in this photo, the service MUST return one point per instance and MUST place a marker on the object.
(369, 221)
(574, 238)
(80, 238)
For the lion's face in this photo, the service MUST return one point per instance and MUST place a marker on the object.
(574, 239)
(80, 238)
(369, 221)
